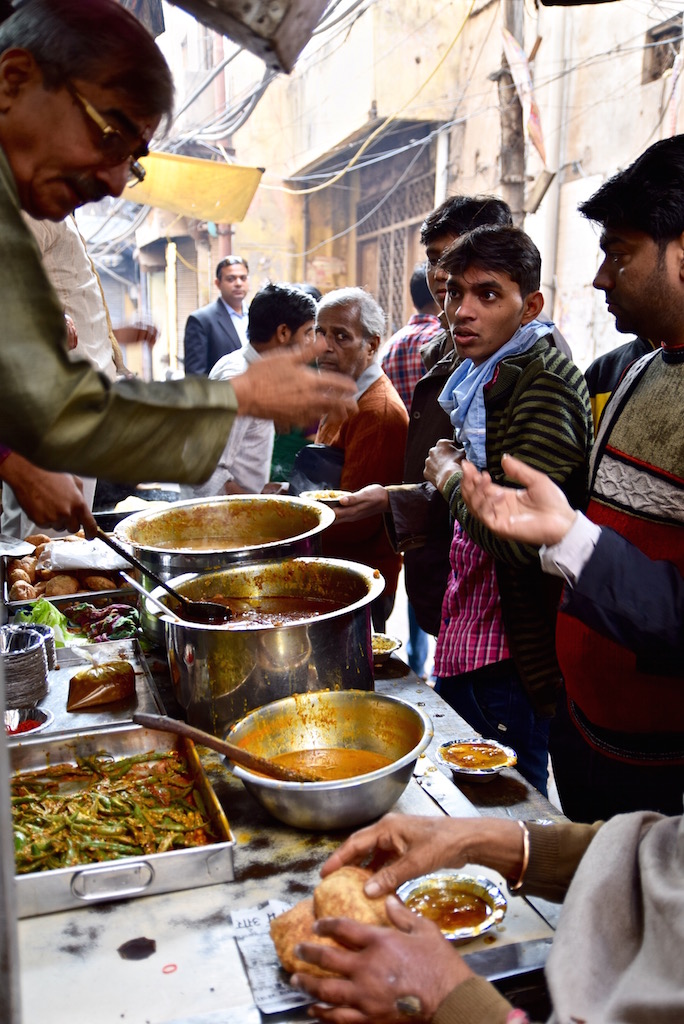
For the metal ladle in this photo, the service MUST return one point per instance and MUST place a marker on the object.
(252, 762)
(209, 613)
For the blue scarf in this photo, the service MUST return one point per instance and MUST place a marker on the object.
(462, 397)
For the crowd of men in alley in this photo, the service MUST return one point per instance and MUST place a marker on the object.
(543, 548)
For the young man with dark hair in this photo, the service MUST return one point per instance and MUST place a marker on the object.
(511, 392)
(416, 518)
(279, 316)
(618, 740)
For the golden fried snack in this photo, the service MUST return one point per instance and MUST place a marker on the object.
(98, 583)
(37, 538)
(28, 564)
(61, 584)
(18, 575)
(22, 591)
(341, 895)
(293, 927)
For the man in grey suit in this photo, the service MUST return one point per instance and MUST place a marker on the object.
(221, 327)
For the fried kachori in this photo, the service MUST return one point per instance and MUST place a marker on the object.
(341, 895)
(293, 927)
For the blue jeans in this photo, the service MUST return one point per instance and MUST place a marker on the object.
(417, 646)
(492, 700)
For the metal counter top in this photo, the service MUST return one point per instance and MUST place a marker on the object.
(72, 967)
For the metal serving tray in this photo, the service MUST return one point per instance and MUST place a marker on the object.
(122, 595)
(69, 662)
(44, 892)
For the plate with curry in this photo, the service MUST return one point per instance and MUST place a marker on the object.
(475, 759)
(464, 906)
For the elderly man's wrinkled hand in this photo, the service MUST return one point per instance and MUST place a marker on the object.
(369, 501)
(387, 975)
(403, 846)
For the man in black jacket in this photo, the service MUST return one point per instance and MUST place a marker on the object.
(221, 327)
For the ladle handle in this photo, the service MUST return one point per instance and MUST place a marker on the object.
(250, 761)
(121, 550)
(159, 605)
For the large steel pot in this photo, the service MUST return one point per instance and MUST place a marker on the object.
(220, 673)
(213, 533)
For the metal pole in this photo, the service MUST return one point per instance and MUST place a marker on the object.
(10, 1009)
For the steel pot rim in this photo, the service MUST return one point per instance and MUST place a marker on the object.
(375, 581)
(122, 529)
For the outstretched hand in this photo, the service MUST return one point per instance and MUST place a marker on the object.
(369, 501)
(379, 968)
(282, 387)
(404, 846)
(537, 513)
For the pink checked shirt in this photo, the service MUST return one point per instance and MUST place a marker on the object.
(402, 362)
(472, 633)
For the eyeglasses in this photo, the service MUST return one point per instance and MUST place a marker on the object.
(114, 146)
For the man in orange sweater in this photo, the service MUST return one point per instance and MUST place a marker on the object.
(373, 438)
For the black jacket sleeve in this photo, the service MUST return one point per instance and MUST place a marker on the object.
(196, 346)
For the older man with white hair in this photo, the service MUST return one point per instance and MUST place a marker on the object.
(373, 438)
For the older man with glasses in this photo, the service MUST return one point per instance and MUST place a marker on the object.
(83, 88)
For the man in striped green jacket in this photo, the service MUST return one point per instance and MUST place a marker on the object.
(512, 392)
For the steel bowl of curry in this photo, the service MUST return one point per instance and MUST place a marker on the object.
(363, 744)
(464, 906)
(476, 760)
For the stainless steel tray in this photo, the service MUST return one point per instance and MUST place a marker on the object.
(45, 892)
(122, 595)
(146, 698)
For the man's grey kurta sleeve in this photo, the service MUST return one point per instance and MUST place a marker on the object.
(65, 416)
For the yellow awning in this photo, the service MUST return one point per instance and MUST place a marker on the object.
(196, 188)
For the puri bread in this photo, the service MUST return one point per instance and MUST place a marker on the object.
(19, 575)
(38, 538)
(99, 583)
(28, 564)
(293, 927)
(62, 584)
(341, 895)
